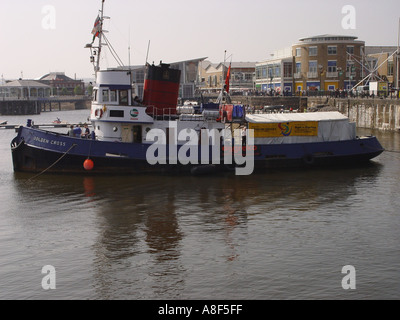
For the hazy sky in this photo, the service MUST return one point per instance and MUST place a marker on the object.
(40, 36)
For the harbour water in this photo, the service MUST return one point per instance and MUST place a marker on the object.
(279, 235)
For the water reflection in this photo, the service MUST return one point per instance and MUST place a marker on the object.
(145, 227)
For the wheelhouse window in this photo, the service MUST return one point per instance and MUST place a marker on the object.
(113, 96)
(95, 95)
(105, 96)
(123, 97)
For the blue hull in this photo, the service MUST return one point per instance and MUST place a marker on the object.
(36, 150)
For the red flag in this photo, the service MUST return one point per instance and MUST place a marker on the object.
(228, 75)
(96, 28)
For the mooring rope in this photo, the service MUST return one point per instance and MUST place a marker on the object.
(58, 160)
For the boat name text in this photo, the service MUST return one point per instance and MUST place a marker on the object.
(52, 142)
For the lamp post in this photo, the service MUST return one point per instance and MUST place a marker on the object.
(321, 71)
(270, 83)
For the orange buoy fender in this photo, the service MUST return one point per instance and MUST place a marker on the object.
(88, 164)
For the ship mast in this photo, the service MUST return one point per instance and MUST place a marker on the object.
(100, 36)
(97, 32)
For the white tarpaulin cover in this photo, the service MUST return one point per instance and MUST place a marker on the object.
(332, 126)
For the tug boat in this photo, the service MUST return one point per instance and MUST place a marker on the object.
(133, 136)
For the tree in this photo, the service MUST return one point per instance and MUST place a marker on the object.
(90, 90)
(78, 90)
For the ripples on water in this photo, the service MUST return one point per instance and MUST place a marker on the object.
(281, 235)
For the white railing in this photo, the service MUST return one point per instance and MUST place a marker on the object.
(312, 74)
(332, 74)
(348, 74)
(297, 75)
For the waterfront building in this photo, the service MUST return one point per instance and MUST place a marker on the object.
(327, 62)
(275, 75)
(382, 60)
(24, 89)
(62, 85)
(324, 62)
(241, 78)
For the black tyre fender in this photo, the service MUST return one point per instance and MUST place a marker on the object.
(309, 159)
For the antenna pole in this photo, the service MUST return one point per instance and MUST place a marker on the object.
(129, 49)
(100, 36)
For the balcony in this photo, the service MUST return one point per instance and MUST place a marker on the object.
(348, 74)
(332, 74)
(297, 75)
(312, 75)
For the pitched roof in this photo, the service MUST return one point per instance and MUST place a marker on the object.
(59, 76)
(26, 83)
(237, 65)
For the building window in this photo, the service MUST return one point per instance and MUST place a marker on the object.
(350, 49)
(350, 69)
(298, 67)
(270, 72)
(258, 73)
(313, 51)
(298, 52)
(313, 67)
(277, 71)
(390, 68)
(248, 76)
(139, 76)
(287, 70)
(188, 91)
(332, 66)
(332, 50)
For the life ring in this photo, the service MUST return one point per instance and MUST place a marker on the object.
(308, 159)
(98, 113)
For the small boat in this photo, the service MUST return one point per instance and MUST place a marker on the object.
(154, 135)
(57, 121)
(3, 123)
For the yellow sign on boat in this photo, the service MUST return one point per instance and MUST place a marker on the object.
(284, 129)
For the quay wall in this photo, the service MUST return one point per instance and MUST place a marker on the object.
(380, 114)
